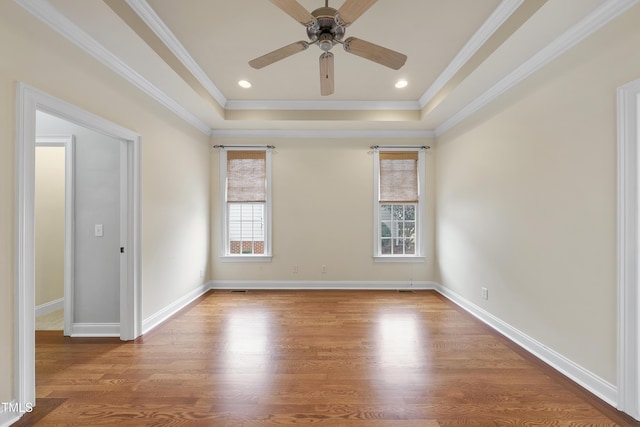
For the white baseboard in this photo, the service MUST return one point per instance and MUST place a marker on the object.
(593, 383)
(95, 330)
(8, 416)
(49, 307)
(156, 319)
(319, 285)
(10, 412)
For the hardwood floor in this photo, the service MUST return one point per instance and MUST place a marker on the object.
(323, 358)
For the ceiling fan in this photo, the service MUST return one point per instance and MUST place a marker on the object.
(326, 27)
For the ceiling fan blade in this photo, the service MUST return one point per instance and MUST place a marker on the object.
(352, 9)
(278, 54)
(296, 11)
(326, 74)
(373, 52)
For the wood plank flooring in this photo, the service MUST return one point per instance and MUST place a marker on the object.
(319, 358)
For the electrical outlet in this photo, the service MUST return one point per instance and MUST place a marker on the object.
(294, 269)
(201, 274)
(323, 268)
(485, 293)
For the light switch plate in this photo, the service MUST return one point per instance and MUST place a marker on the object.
(98, 231)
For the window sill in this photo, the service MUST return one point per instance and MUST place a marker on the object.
(399, 258)
(245, 258)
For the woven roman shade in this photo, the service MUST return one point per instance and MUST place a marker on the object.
(399, 176)
(246, 176)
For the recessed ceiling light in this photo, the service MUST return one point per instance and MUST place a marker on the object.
(244, 83)
(401, 83)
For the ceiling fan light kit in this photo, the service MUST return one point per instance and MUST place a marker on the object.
(326, 27)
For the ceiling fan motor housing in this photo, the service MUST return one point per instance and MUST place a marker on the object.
(326, 30)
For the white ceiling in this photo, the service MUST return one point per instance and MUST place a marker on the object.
(211, 41)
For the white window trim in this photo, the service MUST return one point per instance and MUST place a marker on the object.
(420, 228)
(226, 257)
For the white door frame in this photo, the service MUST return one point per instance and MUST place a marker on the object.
(67, 142)
(28, 100)
(628, 249)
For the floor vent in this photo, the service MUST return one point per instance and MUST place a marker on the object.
(406, 291)
(238, 291)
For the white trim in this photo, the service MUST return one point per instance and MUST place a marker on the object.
(399, 258)
(320, 285)
(594, 21)
(68, 142)
(49, 307)
(323, 105)
(321, 133)
(95, 330)
(24, 294)
(69, 232)
(51, 16)
(151, 18)
(131, 238)
(628, 240)
(164, 314)
(490, 26)
(245, 258)
(588, 380)
(7, 418)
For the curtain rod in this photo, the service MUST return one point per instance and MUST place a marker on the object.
(244, 146)
(422, 147)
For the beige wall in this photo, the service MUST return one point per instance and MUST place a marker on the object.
(49, 206)
(526, 200)
(175, 165)
(322, 215)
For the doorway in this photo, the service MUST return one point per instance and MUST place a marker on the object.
(97, 227)
(29, 101)
(54, 231)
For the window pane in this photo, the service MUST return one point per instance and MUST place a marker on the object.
(408, 229)
(409, 247)
(385, 230)
(385, 246)
(410, 212)
(398, 212)
(246, 228)
(397, 229)
(385, 212)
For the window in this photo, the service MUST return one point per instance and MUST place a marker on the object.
(399, 204)
(245, 175)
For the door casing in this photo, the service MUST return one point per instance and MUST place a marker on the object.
(28, 100)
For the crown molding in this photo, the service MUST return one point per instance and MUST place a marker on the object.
(151, 18)
(589, 25)
(48, 14)
(321, 134)
(44, 11)
(490, 26)
(322, 105)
